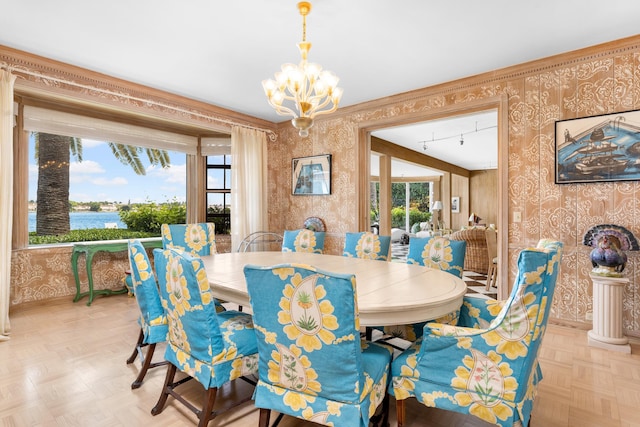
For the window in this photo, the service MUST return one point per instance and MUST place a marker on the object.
(90, 186)
(219, 192)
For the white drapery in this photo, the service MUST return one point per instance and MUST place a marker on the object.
(248, 183)
(6, 197)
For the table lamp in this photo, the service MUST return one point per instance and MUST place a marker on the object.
(436, 207)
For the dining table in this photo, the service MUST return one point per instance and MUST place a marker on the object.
(388, 293)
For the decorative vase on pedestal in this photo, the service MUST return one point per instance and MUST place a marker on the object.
(609, 243)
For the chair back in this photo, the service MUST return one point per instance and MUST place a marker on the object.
(493, 372)
(152, 320)
(303, 240)
(492, 243)
(307, 326)
(199, 239)
(438, 252)
(260, 241)
(367, 245)
(213, 348)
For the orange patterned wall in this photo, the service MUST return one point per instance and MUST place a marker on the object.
(598, 80)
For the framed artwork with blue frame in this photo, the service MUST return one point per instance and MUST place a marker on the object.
(311, 175)
(600, 148)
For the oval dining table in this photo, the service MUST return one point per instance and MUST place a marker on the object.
(389, 293)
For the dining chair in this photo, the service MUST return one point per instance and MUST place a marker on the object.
(366, 245)
(438, 252)
(303, 240)
(198, 238)
(260, 241)
(492, 249)
(211, 347)
(435, 252)
(152, 319)
(313, 364)
(487, 369)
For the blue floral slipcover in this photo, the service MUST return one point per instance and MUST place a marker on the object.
(366, 245)
(490, 372)
(152, 320)
(214, 348)
(438, 252)
(313, 364)
(303, 240)
(199, 239)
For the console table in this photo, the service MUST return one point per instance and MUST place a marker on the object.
(90, 249)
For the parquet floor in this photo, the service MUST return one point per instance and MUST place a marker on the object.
(65, 366)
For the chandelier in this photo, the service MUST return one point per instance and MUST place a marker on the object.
(304, 90)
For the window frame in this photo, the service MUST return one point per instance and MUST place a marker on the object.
(225, 191)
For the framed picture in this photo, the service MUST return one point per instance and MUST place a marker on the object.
(598, 148)
(455, 204)
(311, 175)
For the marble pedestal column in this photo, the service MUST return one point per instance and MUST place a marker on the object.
(607, 329)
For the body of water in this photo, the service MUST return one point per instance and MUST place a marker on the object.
(84, 220)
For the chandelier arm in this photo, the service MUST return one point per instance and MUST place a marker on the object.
(331, 110)
(283, 111)
(324, 102)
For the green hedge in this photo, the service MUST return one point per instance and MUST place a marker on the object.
(398, 217)
(150, 216)
(89, 235)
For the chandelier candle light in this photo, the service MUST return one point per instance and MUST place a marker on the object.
(311, 90)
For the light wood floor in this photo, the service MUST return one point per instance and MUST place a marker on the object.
(65, 366)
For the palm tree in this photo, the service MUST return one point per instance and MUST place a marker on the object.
(52, 216)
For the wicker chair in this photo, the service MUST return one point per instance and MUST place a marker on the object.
(476, 257)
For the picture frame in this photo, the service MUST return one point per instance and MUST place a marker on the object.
(311, 176)
(455, 204)
(600, 148)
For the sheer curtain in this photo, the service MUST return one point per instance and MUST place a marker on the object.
(6, 197)
(248, 183)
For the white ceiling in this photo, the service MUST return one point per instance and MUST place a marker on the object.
(219, 52)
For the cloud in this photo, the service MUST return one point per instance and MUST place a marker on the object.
(118, 180)
(86, 167)
(175, 174)
(90, 143)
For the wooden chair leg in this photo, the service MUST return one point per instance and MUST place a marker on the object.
(171, 372)
(145, 367)
(135, 349)
(265, 414)
(400, 412)
(207, 409)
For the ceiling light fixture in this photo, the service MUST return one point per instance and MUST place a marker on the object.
(310, 90)
(434, 139)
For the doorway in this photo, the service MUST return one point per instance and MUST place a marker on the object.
(453, 180)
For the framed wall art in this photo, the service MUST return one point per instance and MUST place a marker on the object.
(455, 204)
(311, 175)
(598, 148)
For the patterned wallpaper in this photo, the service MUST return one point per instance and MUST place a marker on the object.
(597, 80)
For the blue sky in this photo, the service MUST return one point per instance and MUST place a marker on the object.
(100, 177)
